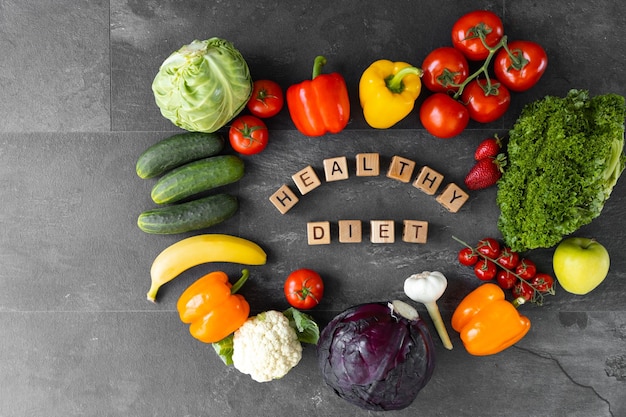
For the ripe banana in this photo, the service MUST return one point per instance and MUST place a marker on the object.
(200, 249)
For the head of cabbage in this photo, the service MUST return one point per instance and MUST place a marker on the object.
(203, 85)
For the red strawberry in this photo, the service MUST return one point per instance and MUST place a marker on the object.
(488, 148)
(485, 173)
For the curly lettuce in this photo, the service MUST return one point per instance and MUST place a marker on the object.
(565, 155)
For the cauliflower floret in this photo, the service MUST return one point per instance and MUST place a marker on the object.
(266, 347)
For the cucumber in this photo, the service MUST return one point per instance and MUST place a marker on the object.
(177, 150)
(186, 217)
(196, 177)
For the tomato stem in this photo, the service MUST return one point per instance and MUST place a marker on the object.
(484, 69)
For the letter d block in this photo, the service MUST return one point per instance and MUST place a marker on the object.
(284, 199)
(318, 233)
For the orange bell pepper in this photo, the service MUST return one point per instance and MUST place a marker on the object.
(488, 323)
(319, 105)
(212, 308)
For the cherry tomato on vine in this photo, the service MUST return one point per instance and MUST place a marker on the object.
(248, 135)
(267, 99)
(520, 65)
(543, 282)
(468, 257)
(524, 290)
(304, 288)
(468, 29)
(485, 270)
(444, 69)
(486, 103)
(506, 280)
(508, 259)
(442, 116)
(526, 269)
(489, 247)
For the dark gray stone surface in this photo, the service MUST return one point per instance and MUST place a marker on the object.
(79, 337)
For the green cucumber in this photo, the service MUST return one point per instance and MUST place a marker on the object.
(177, 150)
(196, 177)
(185, 217)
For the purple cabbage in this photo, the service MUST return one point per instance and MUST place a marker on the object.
(377, 356)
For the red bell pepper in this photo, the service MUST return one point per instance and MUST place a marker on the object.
(319, 105)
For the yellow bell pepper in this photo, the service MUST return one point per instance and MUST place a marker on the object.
(387, 92)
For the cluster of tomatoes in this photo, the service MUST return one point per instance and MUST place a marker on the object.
(248, 134)
(459, 96)
(492, 261)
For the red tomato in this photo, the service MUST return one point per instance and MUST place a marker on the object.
(304, 288)
(267, 99)
(486, 103)
(523, 67)
(524, 290)
(485, 270)
(505, 279)
(248, 135)
(468, 29)
(489, 247)
(444, 69)
(543, 282)
(468, 257)
(526, 269)
(443, 116)
(508, 259)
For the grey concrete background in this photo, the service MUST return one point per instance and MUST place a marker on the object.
(79, 337)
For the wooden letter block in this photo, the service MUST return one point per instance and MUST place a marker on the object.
(382, 231)
(318, 233)
(428, 180)
(367, 165)
(336, 168)
(452, 197)
(415, 231)
(401, 169)
(350, 231)
(284, 199)
(306, 180)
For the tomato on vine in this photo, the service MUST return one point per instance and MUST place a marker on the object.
(468, 257)
(444, 69)
(472, 29)
(505, 279)
(520, 64)
(442, 116)
(485, 270)
(526, 269)
(543, 282)
(486, 100)
(508, 259)
(304, 288)
(489, 247)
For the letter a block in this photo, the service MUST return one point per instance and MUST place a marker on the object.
(318, 233)
(415, 231)
(350, 231)
(336, 168)
(452, 197)
(284, 199)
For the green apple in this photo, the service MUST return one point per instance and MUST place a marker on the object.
(580, 264)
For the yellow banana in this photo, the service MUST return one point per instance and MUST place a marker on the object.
(196, 250)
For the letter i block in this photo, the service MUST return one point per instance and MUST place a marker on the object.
(336, 168)
(401, 169)
(452, 197)
(318, 233)
(415, 231)
(367, 165)
(382, 231)
(428, 180)
(350, 231)
(284, 199)
(306, 180)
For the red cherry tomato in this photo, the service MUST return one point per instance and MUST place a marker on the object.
(444, 69)
(489, 247)
(468, 257)
(523, 67)
(524, 290)
(543, 282)
(248, 135)
(304, 288)
(468, 29)
(526, 269)
(485, 270)
(267, 99)
(442, 116)
(506, 280)
(508, 259)
(486, 103)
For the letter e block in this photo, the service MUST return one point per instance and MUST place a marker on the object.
(306, 180)
(367, 165)
(401, 169)
(318, 233)
(382, 231)
(336, 168)
(452, 197)
(284, 199)
(350, 231)
(428, 180)
(415, 231)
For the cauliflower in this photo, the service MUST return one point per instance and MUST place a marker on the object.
(266, 347)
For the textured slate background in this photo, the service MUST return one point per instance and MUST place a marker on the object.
(78, 336)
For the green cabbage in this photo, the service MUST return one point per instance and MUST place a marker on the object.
(565, 155)
(203, 85)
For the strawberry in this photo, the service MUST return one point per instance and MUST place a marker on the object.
(488, 148)
(485, 173)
